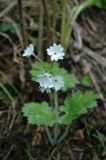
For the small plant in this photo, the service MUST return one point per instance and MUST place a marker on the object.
(51, 79)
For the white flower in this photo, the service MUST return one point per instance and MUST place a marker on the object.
(45, 80)
(29, 50)
(56, 52)
(58, 82)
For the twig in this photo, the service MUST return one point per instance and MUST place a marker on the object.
(22, 23)
(100, 59)
(86, 65)
(7, 9)
(13, 119)
(14, 24)
(48, 24)
(11, 42)
(52, 153)
(9, 152)
(40, 38)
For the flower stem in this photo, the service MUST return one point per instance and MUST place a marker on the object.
(38, 59)
(64, 134)
(51, 99)
(56, 127)
(49, 135)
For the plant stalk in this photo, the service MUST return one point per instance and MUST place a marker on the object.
(49, 135)
(64, 134)
(56, 127)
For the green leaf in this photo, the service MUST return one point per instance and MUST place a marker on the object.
(99, 3)
(7, 27)
(86, 81)
(39, 113)
(69, 79)
(76, 105)
(38, 69)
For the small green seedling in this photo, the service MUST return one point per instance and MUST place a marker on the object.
(51, 79)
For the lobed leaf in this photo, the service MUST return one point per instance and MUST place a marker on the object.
(76, 105)
(39, 113)
(38, 68)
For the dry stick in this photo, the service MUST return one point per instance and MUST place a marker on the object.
(14, 24)
(100, 59)
(86, 65)
(7, 9)
(22, 23)
(52, 153)
(40, 38)
(54, 20)
(10, 40)
(13, 119)
(9, 152)
(48, 24)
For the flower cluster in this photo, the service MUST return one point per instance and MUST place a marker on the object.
(47, 81)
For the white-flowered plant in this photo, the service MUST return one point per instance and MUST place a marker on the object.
(56, 52)
(29, 51)
(45, 80)
(58, 82)
(51, 79)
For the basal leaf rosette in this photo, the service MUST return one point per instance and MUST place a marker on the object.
(76, 105)
(39, 113)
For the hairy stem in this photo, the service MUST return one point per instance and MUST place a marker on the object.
(49, 135)
(56, 127)
(38, 59)
(64, 134)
